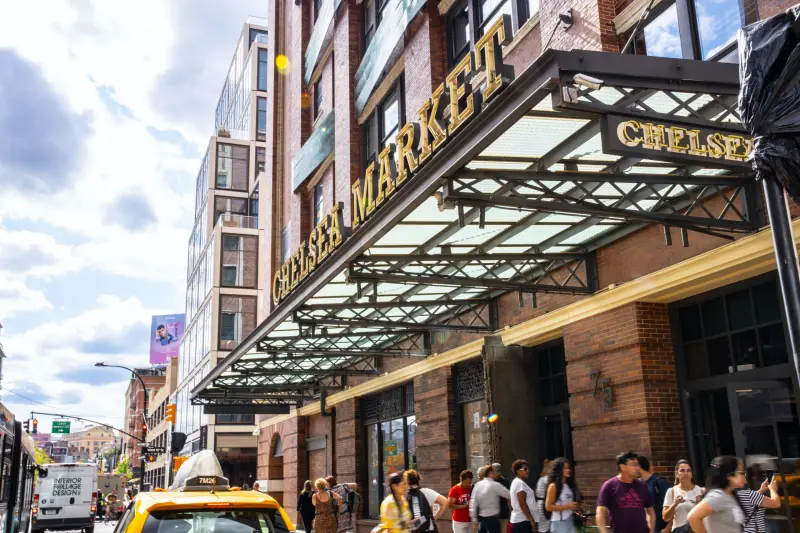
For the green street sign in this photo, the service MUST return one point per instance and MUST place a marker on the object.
(61, 426)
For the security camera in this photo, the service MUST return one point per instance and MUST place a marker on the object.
(587, 81)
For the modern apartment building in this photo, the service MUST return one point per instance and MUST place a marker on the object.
(493, 235)
(225, 280)
(90, 440)
(153, 378)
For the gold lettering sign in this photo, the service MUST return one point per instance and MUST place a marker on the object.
(322, 241)
(416, 142)
(415, 145)
(681, 140)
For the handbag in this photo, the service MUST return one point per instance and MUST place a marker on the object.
(578, 519)
(685, 528)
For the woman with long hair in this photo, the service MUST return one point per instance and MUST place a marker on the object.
(682, 498)
(543, 525)
(395, 512)
(325, 521)
(305, 507)
(562, 497)
(718, 511)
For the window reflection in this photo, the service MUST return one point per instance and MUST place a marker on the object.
(662, 37)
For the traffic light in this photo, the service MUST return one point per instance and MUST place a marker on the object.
(150, 457)
(35, 426)
(171, 411)
(26, 425)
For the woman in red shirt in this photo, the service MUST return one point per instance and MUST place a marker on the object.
(459, 500)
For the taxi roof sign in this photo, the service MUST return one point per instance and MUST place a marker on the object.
(200, 472)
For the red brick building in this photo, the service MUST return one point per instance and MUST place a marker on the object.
(508, 254)
(154, 378)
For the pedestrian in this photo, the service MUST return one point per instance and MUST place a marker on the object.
(481, 474)
(395, 512)
(305, 506)
(543, 525)
(324, 502)
(505, 505)
(624, 502)
(256, 486)
(346, 510)
(245, 487)
(718, 511)
(484, 505)
(524, 512)
(658, 488)
(422, 501)
(459, 497)
(562, 497)
(681, 498)
(754, 503)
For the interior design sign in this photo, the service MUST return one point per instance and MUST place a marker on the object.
(626, 136)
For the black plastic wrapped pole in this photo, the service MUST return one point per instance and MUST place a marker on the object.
(786, 256)
(769, 106)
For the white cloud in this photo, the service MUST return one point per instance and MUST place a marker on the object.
(16, 297)
(60, 356)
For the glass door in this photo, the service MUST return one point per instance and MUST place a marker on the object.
(767, 435)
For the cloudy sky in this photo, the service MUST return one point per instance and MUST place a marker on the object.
(105, 112)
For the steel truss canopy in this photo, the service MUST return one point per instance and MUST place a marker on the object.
(516, 202)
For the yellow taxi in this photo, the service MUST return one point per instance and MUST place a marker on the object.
(201, 501)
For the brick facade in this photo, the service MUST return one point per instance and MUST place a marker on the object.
(632, 347)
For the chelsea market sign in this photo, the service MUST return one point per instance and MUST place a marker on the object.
(414, 146)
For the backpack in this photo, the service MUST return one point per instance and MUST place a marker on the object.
(424, 510)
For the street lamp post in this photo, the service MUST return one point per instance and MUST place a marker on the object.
(144, 391)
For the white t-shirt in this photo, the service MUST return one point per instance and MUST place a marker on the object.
(517, 516)
(430, 495)
(689, 501)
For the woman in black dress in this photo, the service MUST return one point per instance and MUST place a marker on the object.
(306, 507)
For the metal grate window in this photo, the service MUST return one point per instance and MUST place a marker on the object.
(388, 405)
(469, 381)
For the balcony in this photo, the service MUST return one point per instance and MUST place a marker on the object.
(240, 135)
(228, 220)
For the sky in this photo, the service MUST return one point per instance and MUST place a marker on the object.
(106, 109)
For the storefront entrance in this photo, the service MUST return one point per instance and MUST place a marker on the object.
(739, 399)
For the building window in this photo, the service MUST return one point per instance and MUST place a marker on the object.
(317, 9)
(319, 207)
(261, 160)
(230, 276)
(709, 33)
(232, 167)
(224, 205)
(370, 21)
(254, 203)
(473, 411)
(285, 250)
(381, 128)
(391, 431)
(239, 266)
(237, 320)
(317, 99)
(468, 21)
(261, 119)
(734, 332)
(263, 63)
(258, 36)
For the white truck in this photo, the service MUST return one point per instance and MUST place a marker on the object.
(65, 498)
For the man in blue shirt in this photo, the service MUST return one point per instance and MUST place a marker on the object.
(658, 487)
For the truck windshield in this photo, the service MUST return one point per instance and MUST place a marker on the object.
(215, 521)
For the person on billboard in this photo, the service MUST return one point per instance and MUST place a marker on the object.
(162, 337)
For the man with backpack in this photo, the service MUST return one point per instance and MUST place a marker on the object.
(485, 504)
(658, 488)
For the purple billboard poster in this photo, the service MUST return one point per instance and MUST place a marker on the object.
(166, 333)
